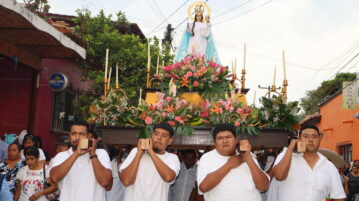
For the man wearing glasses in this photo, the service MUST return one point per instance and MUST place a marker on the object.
(307, 176)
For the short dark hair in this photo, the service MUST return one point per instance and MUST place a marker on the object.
(189, 151)
(81, 123)
(94, 133)
(32, 151)
(223, 127)
(309, 127)
(29, 137)
(166, 127)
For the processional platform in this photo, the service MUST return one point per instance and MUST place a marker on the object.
(201, 137)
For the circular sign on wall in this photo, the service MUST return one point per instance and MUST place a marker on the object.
(58, 81)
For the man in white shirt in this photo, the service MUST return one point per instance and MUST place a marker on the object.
(224, 175)
(305, 177)
(82, 174)
(186, 181)
(149, 173)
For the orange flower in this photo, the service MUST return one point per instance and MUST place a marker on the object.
(143, 115)
(152, 107)
(216, 108)
(170, 108)
(184, 82)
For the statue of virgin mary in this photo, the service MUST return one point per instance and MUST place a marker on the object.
(198, 38)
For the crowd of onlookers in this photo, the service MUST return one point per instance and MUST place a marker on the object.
(152, 172)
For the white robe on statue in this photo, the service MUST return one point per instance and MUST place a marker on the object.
(198, 43)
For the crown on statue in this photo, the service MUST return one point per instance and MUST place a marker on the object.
(199, 10)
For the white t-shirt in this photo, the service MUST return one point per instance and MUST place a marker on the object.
(32, 182)
(41, 156)
(184, 184)
(306, 184)
(237, 185)
(149, 185)
(80, 182)
(117, 192)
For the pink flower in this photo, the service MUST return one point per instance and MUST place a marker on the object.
(248, 110)
(193, 68)
(222, 69)
(237, 123)
(167, 68)
(171, 123)
(240, 111)
(195, 83)
(195, 74)
(203, 69)
(163, 114)
(178, 118)
(205, 114)
(212, 63)
(231, 109)
(189, 74)
(148, 120)
(168, 98)
(167, 75)
(174, 75)
(184, 103)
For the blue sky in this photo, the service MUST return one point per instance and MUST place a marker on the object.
(319, 36)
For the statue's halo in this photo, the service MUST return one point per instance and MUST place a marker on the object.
(191, 10)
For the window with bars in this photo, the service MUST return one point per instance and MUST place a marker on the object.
(346, 152)
(63, 110)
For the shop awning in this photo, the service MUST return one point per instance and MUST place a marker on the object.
(23, 30)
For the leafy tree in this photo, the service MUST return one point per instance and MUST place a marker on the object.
(129, 52)
(313, 98)
(39, 6)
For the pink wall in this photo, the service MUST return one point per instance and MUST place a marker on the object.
(15, 96)
(44, 102)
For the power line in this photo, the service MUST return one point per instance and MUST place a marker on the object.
(345, 56)
(356, 55)
(259, 55)
(158, 8)
(155, 10)
(231, 9)
(231, 18)
(167, 18)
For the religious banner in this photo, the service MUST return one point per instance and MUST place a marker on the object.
(349, 96)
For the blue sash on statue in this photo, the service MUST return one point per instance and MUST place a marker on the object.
(211, 52)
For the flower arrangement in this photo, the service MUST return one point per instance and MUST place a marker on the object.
(112, 110)
(277, 114)
(195, 73)
(115, 111)
(246, 119)
(172, 110)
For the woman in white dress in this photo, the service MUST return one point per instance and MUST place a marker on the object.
(31, 179)
(200, 31)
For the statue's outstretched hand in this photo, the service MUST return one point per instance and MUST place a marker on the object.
(207, 18)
